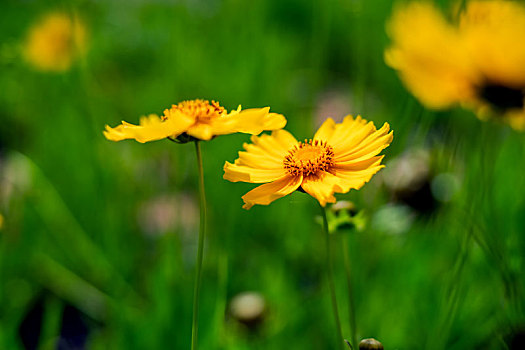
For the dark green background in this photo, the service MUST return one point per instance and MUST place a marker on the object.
(74, 202)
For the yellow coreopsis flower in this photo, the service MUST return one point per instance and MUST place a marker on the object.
(197, 119)
(477, 61)
(340, 157)
(54, 42)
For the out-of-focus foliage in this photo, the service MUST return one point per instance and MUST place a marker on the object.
(98, 240)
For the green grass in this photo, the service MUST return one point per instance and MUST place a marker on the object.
(74, 203)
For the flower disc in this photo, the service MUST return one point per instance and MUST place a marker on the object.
(309, 158)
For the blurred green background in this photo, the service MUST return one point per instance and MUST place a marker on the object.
(98, 240)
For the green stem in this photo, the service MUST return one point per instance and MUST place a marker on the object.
(331, 277)
(200, 250)
(351, 304)
(51, 323)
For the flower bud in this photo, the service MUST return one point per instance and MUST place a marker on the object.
(370, 344)
(248, 308)
(344, 206)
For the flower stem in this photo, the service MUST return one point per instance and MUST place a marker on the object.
(198, 269)
(331, 277)
(351, 304)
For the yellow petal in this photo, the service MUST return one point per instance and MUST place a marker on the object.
(359, 164)
(491, 30)
(430, 56)
(350, 174)
(268, 149)
(325, 185)
(201, 131)
(321, 187)
(249, 121)
(354, 138)
(261, 161)
(267, 193)
(350, 179)
(260, 151)
(368, 147)
(151, 128)
(277, 144)
(350, 133)
(326, 130)
(235, 173)
(284, 139)
(274, 121)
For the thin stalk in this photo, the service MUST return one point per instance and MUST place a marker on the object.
(51, 323)
(331, 277)
(200, 250)
(351, 303)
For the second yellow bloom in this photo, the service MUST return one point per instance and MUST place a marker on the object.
(198, 119)
(340, 157)
(477, 61)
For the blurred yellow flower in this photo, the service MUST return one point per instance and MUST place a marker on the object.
(54, 42)
(477, 61)
(1, 221)
(340, 157)
(198, 119)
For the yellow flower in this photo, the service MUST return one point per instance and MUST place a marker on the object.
(477, 61)
(55, 42)
(340, 157)
(197, 119)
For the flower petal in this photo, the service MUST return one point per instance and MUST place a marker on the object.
(250, 121)
(267, 193)
(201, 131)
(277, 144)
(355, 165)
(368, 150)
(263, 160)
(151, 128)
(268, 152)
(430, 56)
(351, 179)
(326, 130)
(259, 161)
(364, 144)
(235, 173)
(490, 29)
(321, 187)
(350, 132)
(284, 139)
(350, 174)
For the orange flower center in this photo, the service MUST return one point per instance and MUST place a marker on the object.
(202, 110)
(309, 158)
